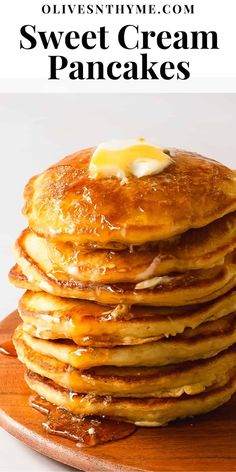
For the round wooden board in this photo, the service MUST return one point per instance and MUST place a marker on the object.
(206, 443)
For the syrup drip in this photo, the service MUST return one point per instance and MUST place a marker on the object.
(86, 431)
(7, 348)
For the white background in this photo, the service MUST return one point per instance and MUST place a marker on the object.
(37, 130)
(23, 70)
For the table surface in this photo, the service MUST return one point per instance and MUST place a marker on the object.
(46, 127)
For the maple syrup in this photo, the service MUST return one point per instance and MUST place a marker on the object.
(7, 348)
(86, 431)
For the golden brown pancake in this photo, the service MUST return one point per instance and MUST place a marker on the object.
(205, 341)
(141, 411)
(170, 381)
(65, 204)
(196, 249)
(90, 324)
(17, 278)
(191, 287)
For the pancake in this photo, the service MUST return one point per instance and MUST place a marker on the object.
(196, 286)
(17, 278)
(63, 203)
(88, 323)
(170, 381)
(201, 343)
(196, 249)
(141, 411)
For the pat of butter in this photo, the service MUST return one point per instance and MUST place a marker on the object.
(124, 158)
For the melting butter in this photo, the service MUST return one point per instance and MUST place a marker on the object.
(124, 158)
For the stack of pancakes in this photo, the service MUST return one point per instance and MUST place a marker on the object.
(130, 308)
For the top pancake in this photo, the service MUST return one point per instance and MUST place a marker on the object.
(64, 204)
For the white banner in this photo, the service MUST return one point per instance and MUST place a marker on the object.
(164, 46)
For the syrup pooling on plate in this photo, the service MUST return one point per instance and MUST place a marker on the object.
(7, 348)
(86, 431)
(40, 404)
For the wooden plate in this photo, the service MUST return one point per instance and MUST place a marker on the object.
(206, 443)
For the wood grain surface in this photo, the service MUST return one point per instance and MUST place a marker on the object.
(206, 443)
